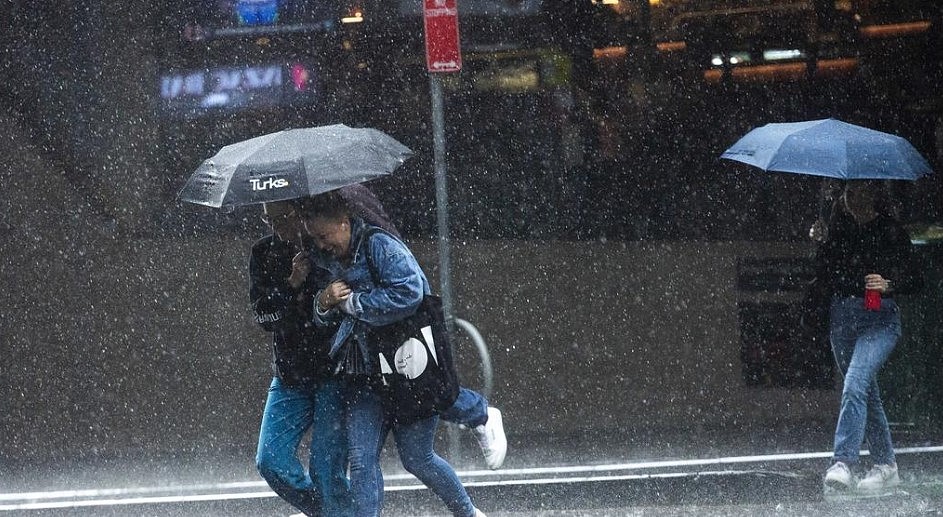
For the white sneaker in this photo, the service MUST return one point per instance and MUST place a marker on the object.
(491, 438)
(839, 477)
(880, 477)
(479, 513)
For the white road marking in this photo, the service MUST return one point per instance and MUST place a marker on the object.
(249, 489)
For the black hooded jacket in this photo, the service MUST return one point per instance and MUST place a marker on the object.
(299, 348)
(854, 250)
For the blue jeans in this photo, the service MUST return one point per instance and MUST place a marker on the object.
(289, 412)
(470, 409)
(367, 428)
(862, 340)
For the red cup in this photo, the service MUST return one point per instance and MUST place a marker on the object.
(872, 299)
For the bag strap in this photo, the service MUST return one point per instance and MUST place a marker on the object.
(384, 365)
(365, 237)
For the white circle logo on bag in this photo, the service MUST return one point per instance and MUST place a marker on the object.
(411, 358)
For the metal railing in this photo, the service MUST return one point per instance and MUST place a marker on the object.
(452, 430)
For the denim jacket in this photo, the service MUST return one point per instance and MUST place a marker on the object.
(390, 293)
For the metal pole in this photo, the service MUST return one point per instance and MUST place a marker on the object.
(441, 197)
(442, 212)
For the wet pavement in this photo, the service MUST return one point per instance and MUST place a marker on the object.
(539, 480)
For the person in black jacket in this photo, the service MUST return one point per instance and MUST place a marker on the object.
(303, 393)
(863, 262)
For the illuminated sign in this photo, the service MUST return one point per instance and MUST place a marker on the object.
(220, 18)
(197, 92)
(479, 7)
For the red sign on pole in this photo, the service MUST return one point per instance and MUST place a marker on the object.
(441, 23)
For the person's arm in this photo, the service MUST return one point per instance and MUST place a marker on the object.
(400, 285)
(322, 315)
(272, 297)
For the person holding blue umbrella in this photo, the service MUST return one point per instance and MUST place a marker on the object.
(863, 261)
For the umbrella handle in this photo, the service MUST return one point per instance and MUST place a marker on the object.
(826, 201)
(826, 209)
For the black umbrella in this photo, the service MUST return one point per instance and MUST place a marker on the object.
(291, 164)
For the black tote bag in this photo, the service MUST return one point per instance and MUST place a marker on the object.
(415, 359)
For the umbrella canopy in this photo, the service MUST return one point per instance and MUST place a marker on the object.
(829, 148)
(291, 164)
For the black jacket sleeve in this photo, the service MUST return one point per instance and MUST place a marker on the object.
(269, 292)
(853, 251)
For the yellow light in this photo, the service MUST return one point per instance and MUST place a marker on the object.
(609, 52)
(894, 29)
(654, 2)
(357, 17)
(785, 71)
(671, 46)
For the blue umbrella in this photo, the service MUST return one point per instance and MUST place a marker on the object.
(829, 148)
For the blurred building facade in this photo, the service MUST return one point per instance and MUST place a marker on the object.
(606, 115)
